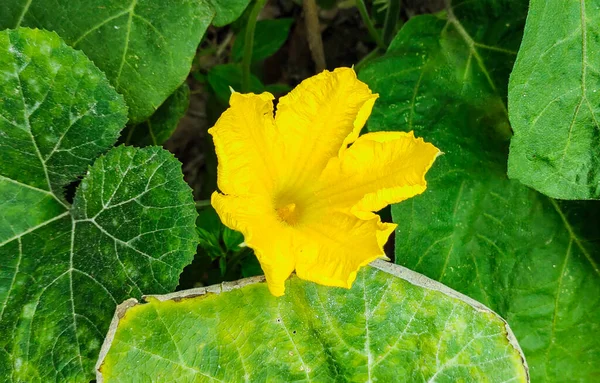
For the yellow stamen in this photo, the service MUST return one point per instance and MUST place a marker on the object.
(286, 213)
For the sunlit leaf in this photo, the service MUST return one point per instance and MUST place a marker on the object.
(393, 325)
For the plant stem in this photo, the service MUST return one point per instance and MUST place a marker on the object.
(369, 57)
(202, 203)
(313, 31)
(249, 44)
(360, 4)
(391, 18)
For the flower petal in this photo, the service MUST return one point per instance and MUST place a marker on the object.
(246, 144)
(272, 241)
(319, 118)
(338, 244)
(377, 170)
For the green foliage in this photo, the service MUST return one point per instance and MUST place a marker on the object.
(269, 37)
(85, 226)
(223, 78)
(144, 47)
(159, 127)
(128, 231)
(391, 326)
(530, 258)
(216, 238)
(554, 101)
(227, 11)
(225, 245)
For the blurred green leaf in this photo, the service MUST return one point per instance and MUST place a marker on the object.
(232, 239)
(226, 76)
(326, 4)
(269, 37)
(161, 125)
(278, 89)
(209, 228)
(250, 266)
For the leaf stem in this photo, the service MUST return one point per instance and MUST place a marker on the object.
(249, 44)
(375, 53)
(360, 4)
(391, 18)
(202, 203)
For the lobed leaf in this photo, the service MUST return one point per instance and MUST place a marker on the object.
(130, 229)
(530, 258)
(145, 47)
(393, 325)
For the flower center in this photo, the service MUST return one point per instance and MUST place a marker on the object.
(288, 213)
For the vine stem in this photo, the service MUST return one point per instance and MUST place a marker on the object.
(313, 30)
(202, 203)
(249, 44)
(391, 18)
(362, 9)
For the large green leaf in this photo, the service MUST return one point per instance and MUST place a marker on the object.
(393, 325)
(161, 125)
(130, 228)
(554, 101)
(531, 259)
(145, 47)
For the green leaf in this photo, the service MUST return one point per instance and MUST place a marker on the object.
(145, 47)
(209, 228)
(223, 78)
(278, 89)
(531, 259)
(212, 232)
(269, 37)
(554, 101)
(250, 266)
(232, 239)
(158, 128)
(129, 230)
(393, 325)
(227, 11)
(55, 94)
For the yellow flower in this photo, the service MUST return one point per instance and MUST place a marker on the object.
(301, 196)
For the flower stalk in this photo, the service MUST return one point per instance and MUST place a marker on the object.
(249, 44)
(362, 9)
(391, 18)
